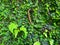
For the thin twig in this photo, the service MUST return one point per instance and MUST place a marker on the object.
(29, 16)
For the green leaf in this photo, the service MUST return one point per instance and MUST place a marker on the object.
(16, 33)
(51, 41)
(12, 26)
(22, 28)
(37, 43)
(45, 34)
(2, 44)
(27, 0)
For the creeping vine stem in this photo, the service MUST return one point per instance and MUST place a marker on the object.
(29, 16)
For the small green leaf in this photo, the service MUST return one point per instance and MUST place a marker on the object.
(13, 29)
(2, 44)
(45, 34)
(27, 0)
(37, 43)
(12, 26)
(16, 33)
(51, 41)
(24, 30)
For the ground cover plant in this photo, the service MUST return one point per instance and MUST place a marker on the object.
(29, 22)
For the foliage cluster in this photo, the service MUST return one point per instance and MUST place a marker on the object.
(15, 26)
